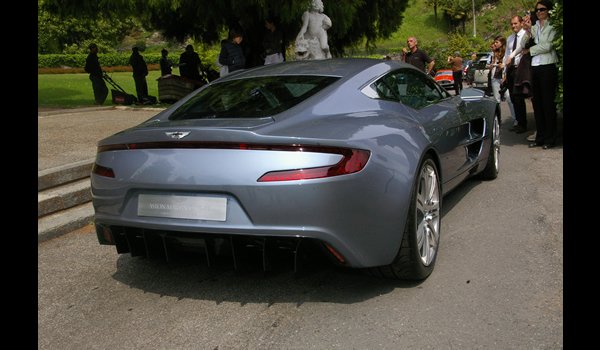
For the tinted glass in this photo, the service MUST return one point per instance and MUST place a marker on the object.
(410, 87)
(251, 98)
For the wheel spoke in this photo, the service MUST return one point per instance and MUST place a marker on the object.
(428, 207)
(424, 246)
(421, 235)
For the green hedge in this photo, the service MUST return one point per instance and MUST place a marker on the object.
(106, 60)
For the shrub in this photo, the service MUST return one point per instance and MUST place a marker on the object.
(68, 70)
(106, 60)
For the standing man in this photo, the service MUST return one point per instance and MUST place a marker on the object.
(92, 66)
(272, 43)
(190, 64)
(140, 70)
(512, 57)
(165, 63)
(457, 68)
(416, 56)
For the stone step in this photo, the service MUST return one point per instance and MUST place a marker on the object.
(64, 197)
(64, 174)
(65, 221)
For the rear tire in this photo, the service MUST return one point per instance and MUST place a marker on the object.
(416, 257)
(492, 167)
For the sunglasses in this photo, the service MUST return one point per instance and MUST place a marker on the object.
(541, 9)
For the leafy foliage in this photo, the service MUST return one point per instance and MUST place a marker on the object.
(556, 16)
(206, 20)
(73, 35)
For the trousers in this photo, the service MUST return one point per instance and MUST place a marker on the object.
(544, 83)
(518, 100)
(100, 89)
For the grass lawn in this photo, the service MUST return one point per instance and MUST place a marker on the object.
(75, 90)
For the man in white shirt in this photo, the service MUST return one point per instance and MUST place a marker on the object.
(512, 57)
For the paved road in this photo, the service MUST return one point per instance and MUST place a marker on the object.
(498, 284)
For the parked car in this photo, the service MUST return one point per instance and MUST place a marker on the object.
(481, 71)
(445, 78)
(466, 65)
(347, 157)
(474, 65)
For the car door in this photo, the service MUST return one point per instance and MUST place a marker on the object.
(439, 114)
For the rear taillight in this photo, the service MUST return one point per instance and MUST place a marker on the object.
(354, 160)
(102, 171)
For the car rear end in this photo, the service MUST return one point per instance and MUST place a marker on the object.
(445, 79)
(208, 181)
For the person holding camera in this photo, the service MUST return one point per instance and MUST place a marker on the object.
(544, 74)
(456, 63)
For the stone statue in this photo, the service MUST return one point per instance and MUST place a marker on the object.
(311, 42)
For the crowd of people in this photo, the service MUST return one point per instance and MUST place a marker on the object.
(522, 66)
(230, 59)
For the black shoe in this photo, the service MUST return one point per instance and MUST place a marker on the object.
(533, 145)
(521, 129)
(547, 146)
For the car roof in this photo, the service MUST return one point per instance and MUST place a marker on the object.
(340, 67)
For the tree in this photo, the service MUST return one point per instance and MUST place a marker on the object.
(207, 20)
(435, 4)
(556, 16)
(457, 11)
(73, 35)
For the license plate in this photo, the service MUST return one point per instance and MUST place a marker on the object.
(183, 207)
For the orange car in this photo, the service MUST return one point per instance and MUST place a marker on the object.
(445, 79)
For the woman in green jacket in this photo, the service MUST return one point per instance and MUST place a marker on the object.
(544, 74)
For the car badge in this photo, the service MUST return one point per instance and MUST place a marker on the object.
(178, 135)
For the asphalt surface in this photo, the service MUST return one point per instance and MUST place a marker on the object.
(497, 284)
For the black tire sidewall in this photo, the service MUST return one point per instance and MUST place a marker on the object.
(417, 269)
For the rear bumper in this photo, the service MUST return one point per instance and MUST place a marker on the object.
(241, 251)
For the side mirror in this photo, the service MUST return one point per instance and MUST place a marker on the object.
(470, 94)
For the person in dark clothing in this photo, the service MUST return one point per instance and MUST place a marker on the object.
(165, 64)
(92, 66)
(231, 54)
(140, 71)
(457, 70)
(417, 57)
(190, 64)
(272, 43)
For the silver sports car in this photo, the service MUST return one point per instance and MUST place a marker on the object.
(350, 157)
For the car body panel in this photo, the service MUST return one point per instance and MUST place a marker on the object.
(361, 214)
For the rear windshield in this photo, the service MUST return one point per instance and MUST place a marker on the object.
(251, 98)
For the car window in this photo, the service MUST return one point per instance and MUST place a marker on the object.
(410, 87)
(251, 98)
